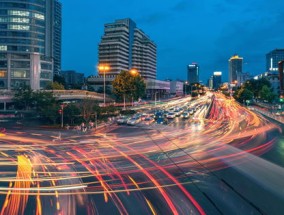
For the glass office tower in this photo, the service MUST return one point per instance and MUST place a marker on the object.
(27, 44)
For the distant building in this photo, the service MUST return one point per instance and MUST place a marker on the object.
(273, 78)
(210, 83)
(157, 89)
(217, 79)
(73, 79)
(235, 67)
(30, 45)
(242, 78)
(176, 88)
(281, 77)
(273, 58)
(193, 73)
(123, 47)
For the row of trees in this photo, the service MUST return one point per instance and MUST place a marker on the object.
(126, 86)
(255, 89)
(47, 109)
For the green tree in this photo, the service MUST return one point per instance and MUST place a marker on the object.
(54, 86)
(43, 100)
(59, 79)
(128, 85)
(71, 114)
(244, 94)
(23, 98)
(266, 94)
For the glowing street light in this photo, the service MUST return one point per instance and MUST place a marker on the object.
(104, 68)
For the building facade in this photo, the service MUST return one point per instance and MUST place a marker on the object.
(27, 42)
(193, 73)
(235, 68)
(217, 79)
(281, 77)
(73, 79)
(273, 58)
(57, 36)
(123, 47)
(177, 88)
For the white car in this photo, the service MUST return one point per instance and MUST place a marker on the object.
(133, 121)
(171, 115)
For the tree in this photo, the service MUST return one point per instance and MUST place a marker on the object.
(71, 113)
(128, 85)
(54, 86)
(43, 100)
(59, 79)
(23, 98)
(244, 94)
(266, 94)
(87, 108)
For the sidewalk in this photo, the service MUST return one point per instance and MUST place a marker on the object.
(267, 113)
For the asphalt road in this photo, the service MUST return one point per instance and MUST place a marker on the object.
(215, 162)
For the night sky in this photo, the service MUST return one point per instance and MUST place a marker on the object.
(207, 32)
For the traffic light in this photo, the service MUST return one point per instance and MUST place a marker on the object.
(60, 111)
(281, 99)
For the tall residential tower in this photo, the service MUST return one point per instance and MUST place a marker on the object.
(193, 73)
(123, 46)
(235, 68)
(273, 58)
(30, 42)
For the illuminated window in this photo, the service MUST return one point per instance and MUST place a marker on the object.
(3, 48)
(38, 16)
(19, 13)
(3, 73)
(20, 74)
(19, 27)
(19, 20)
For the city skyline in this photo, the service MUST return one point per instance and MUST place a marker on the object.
(184, 33)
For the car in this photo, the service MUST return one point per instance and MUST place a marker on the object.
(148, 120)
(122, 120)
(171, 115)
(144, 116)
(133, 121)
(162, 121)
(177, 112)
(159, 114)
(185, 115)
(191, 111)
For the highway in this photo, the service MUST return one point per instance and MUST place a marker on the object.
(216, 162)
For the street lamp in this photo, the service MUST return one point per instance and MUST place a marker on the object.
(132, 72)
(61, 111)
(104, 68)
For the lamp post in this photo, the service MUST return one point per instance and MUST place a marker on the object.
(62, 112)
(185, 87)
(133, 72)
(104, 68)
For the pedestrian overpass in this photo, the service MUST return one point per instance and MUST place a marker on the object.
(6, 96)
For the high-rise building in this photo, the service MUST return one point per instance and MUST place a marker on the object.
(73, 79)
(273, 58)
(123, 46)
(29, 42)
(217, 79)
(57, 28)
(235, 67)
(281, 77)
(193, 73)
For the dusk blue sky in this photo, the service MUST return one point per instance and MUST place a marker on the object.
(185, 31)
